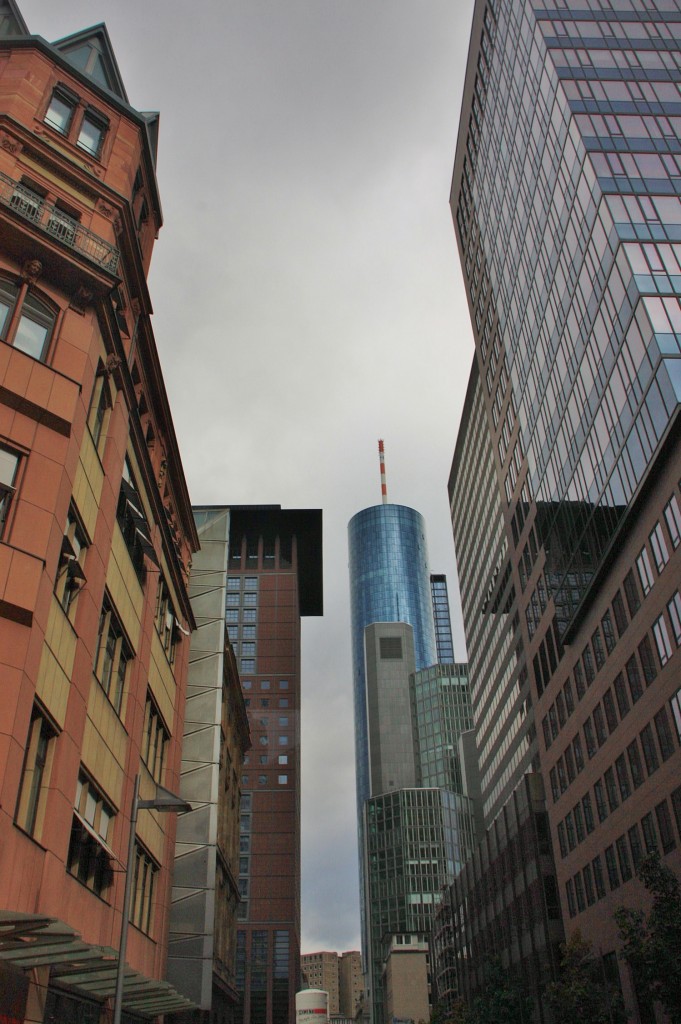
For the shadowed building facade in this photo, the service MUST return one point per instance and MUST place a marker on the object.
(96, 537)
(568, 245)
(202, 941)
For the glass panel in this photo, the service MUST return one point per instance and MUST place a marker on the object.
(31, 337)
(90, 136)
(59, 114)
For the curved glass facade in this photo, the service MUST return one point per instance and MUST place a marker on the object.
(389, 582)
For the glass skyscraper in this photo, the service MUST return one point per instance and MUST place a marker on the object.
(389, 582)
(566, 199)
(570, 245)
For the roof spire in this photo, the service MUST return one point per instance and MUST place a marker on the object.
(384, 487)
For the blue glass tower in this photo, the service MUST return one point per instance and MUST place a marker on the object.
(389, 582)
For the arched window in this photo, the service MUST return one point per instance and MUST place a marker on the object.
(25, 321)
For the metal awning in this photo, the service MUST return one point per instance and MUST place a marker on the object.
(32, 940)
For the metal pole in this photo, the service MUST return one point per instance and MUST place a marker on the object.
(129, 871)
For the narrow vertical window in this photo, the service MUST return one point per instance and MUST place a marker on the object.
(672, 515)
(9, 466)
(144, 888)
(35, 775)
(70, 575)
(662, 642)
(645, 571)
(658, 546)
(100, 406)
(113, 656)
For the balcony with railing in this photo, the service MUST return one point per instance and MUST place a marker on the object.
(56, 223)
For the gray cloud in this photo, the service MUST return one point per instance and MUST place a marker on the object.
(307, 297)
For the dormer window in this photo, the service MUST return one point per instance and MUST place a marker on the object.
(89, 59)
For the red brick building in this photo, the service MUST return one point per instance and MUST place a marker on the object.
(96, 535)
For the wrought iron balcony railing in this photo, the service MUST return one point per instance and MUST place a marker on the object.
(53, 221)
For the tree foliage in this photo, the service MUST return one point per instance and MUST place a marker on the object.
(503, 1000)
(583, 992)
(652, 944)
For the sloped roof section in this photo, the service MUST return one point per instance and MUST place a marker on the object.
(92, 53)
(11, 21)
(152, 118)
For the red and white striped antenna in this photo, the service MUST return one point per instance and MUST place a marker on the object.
(384, 486)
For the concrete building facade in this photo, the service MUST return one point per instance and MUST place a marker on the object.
(339, 974)
(351, 982)
(321, 971)
(96, 536)
(406, 980)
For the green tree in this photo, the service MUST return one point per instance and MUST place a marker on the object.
(503, 1000)
(457, 1014)
(652, 944)
(583, 992)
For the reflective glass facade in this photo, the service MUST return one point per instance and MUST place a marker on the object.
(499, 682)
(417, 840)
(566, 204)
(570, 245)
(441, 711)
(389, 582)
(504, 903)
(442, 619)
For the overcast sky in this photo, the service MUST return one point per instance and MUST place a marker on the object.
(308, 299)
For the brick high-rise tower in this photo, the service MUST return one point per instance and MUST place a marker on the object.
(274, 578)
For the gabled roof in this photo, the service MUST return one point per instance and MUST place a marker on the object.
(152, 118)
(92, 53)
(11, 21)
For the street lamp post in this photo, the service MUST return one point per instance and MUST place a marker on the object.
(164, 800)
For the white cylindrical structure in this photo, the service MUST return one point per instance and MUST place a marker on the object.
(312, 1006)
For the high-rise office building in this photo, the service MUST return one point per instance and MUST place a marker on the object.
(389, 582)
(96, 538)
(274, 578)
(566, 205)
(470, 931)
(498, 677)
(400, 718)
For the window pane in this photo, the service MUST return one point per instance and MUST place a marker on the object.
(59, 114)
(31, 337)
(90, 136)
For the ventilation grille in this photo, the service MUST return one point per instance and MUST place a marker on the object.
(391, 648)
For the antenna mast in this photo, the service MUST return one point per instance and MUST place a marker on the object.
(384, 487)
